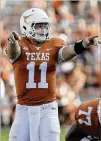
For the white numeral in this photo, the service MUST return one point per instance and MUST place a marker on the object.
(31, 68)
(88, 116)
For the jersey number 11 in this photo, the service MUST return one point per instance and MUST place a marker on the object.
(31, 69)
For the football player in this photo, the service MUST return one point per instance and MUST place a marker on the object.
(34, 57)
(87, 126)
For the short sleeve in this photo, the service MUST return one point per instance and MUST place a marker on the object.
(59, 44)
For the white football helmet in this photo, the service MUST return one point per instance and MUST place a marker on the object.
(28, 21)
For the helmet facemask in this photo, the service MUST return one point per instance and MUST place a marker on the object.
(40, 31)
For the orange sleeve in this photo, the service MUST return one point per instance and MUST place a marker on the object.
(57, 42)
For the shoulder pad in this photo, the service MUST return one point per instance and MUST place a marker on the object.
(21, 42)
(58, 42)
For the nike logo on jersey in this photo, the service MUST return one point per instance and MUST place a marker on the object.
(25, 48)
(48, 49)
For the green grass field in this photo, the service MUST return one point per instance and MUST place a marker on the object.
(5, 132)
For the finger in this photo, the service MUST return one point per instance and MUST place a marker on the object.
(11, 39)
(16, 35)
(87, 41)
(92, 41)
(92, 37)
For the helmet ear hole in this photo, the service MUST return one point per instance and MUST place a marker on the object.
(24, 27)
(32, 25)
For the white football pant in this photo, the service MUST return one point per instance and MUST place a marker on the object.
(36, 123)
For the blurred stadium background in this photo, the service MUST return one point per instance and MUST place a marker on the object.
(78, 80)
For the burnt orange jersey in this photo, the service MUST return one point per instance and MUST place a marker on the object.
(87, 118)
(35, 71)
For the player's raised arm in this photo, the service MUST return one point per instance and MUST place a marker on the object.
(13, 49)
(79, 47)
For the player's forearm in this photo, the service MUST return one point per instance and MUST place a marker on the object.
(68, 52)
(13, 50)
(78, 48)
(71, 51)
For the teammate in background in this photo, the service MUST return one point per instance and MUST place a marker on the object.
(34, 57)
(87, 126)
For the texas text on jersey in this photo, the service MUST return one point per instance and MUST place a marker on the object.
(39, 64)
(88, 117)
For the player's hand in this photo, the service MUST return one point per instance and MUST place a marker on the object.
(90, 42)
(14, 36)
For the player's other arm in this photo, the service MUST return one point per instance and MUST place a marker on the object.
(67, 53)
(13, 49)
